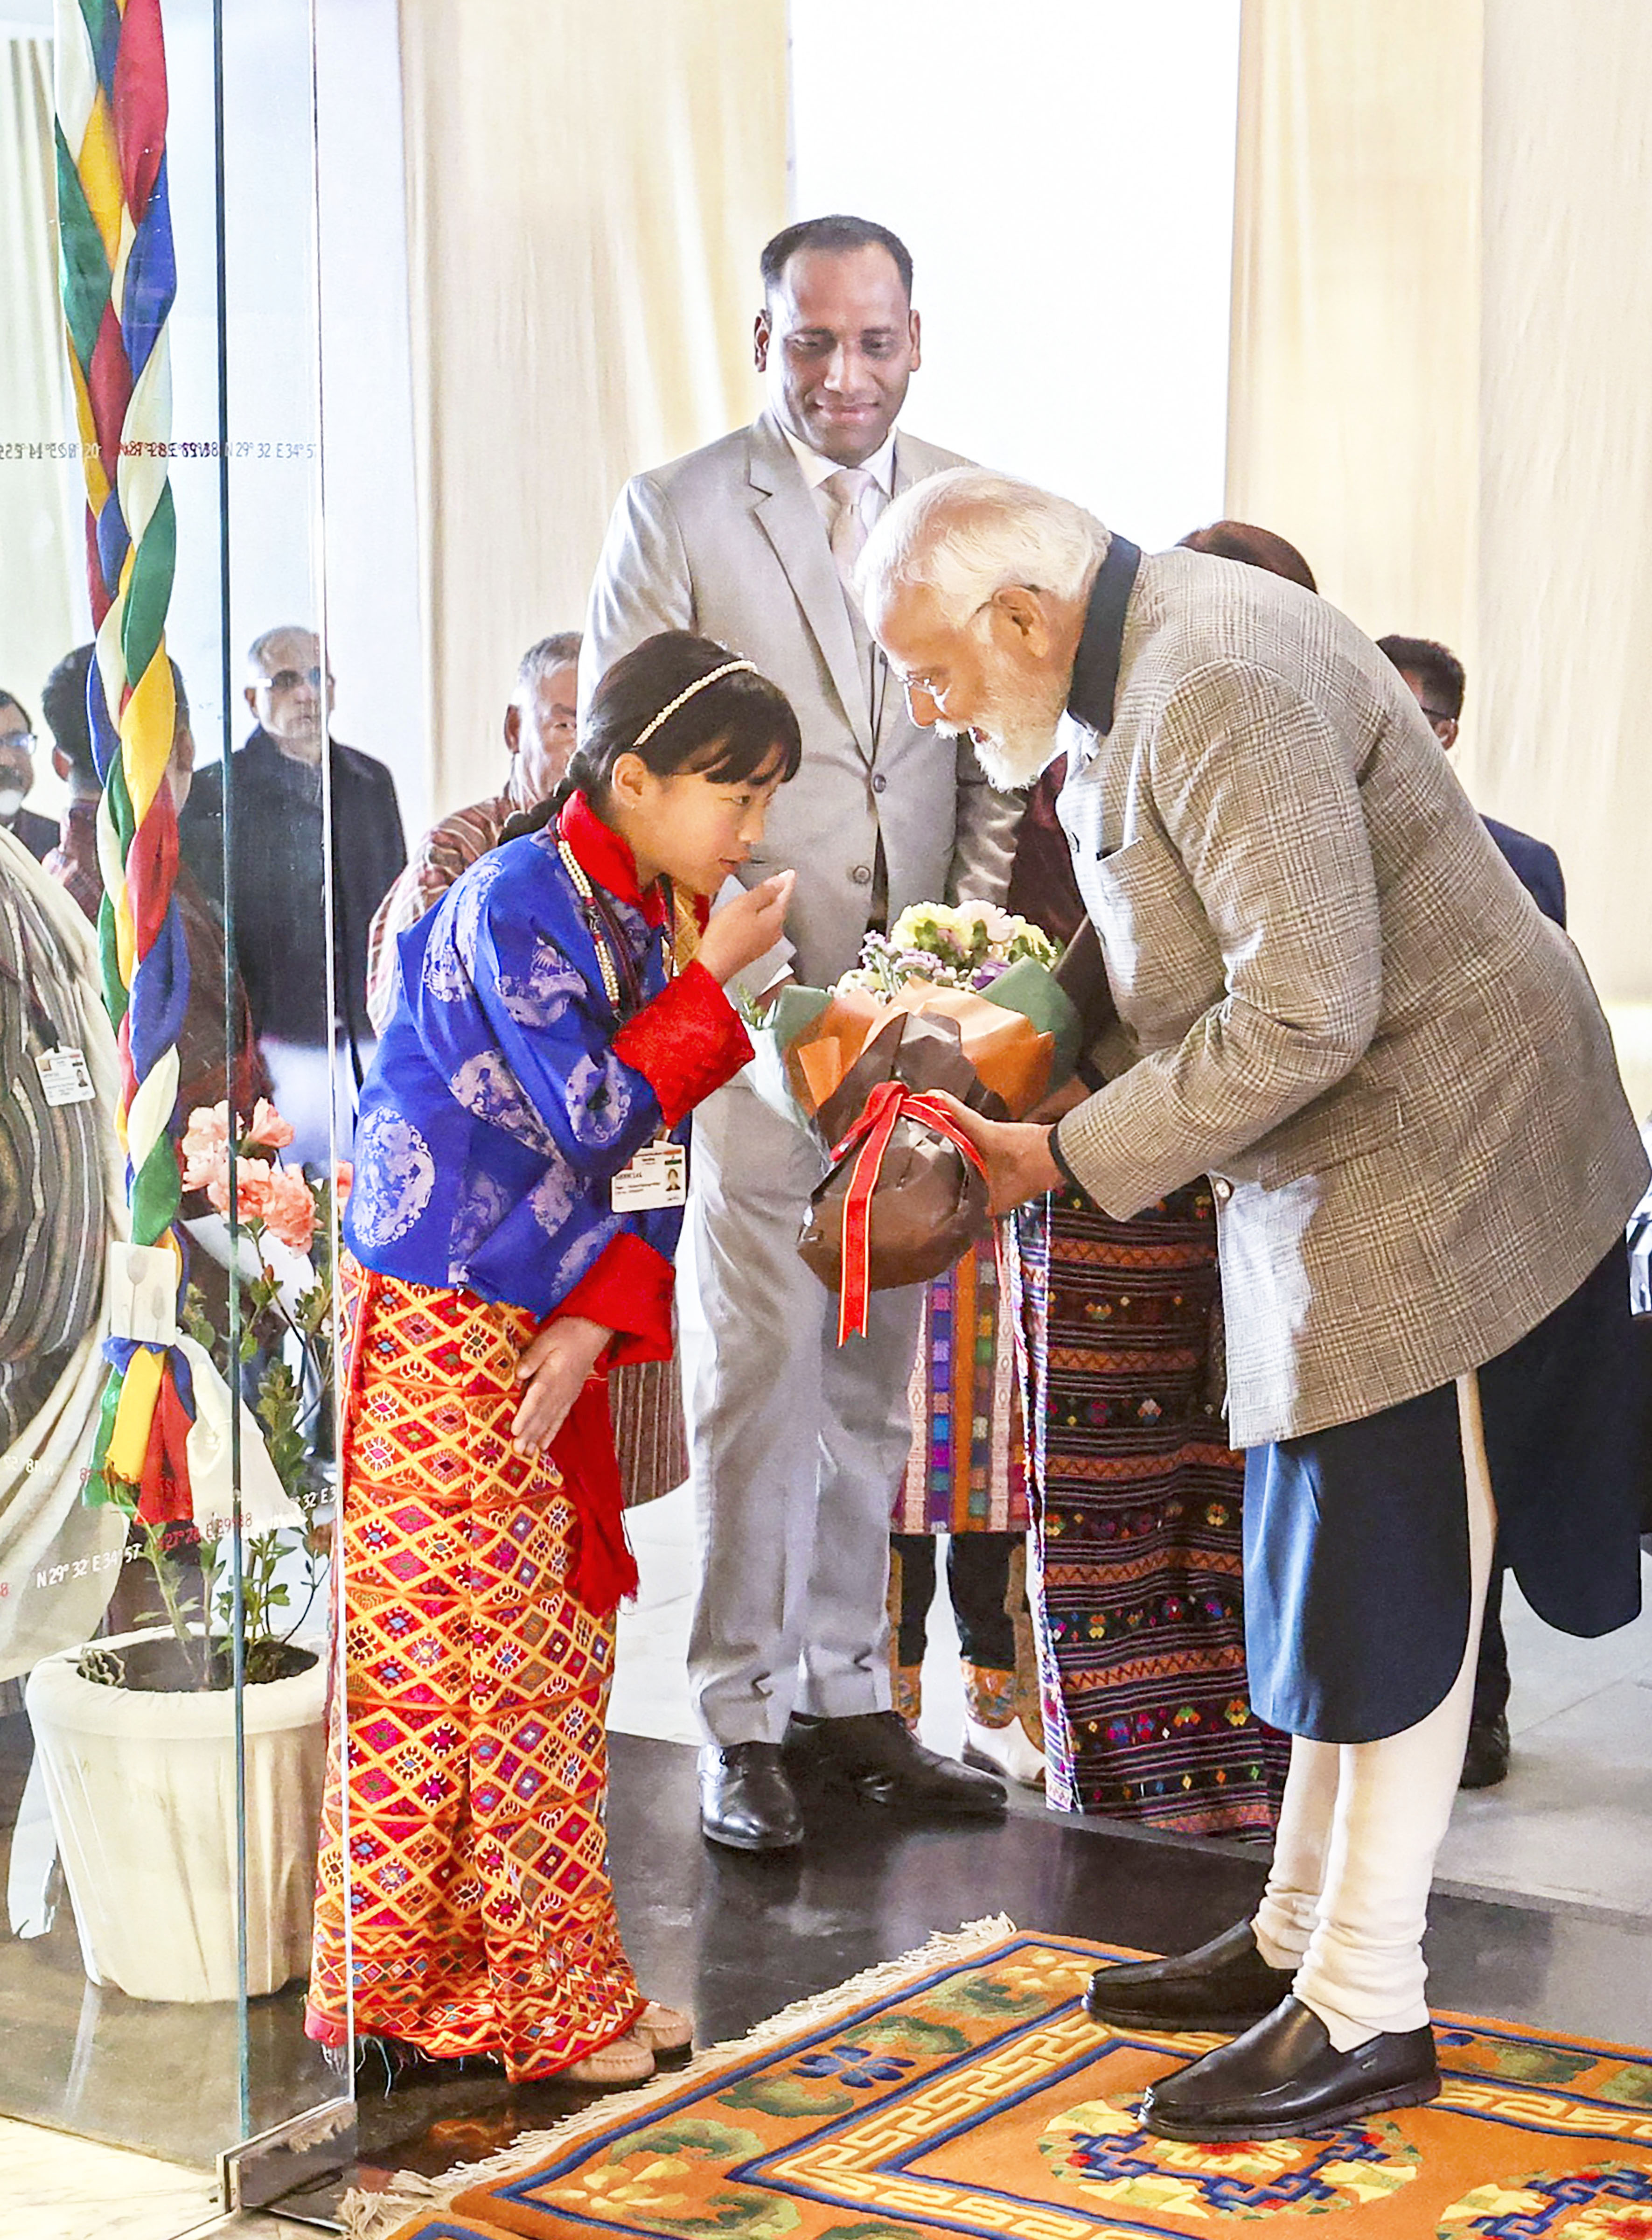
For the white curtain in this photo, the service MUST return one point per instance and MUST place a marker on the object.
(38, 518)
(1563, 743)
(1442, 324)
(1352, 409)
(587, 191)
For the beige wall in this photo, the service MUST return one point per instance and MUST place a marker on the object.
(588, 187)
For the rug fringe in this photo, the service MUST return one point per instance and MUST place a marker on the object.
(376, 2216)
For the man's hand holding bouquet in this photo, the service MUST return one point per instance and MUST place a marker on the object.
(957, 1002)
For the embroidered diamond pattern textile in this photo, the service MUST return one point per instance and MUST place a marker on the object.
(483, 1915)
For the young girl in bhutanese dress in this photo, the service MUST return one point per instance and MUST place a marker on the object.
(519, 1173)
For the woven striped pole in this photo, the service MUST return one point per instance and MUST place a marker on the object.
(118, 282)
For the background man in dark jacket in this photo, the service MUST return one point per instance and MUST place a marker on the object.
(1438, 680)
(275, 855)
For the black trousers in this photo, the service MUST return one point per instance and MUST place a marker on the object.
(978, 1583)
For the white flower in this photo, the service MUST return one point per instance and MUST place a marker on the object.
(946, 945)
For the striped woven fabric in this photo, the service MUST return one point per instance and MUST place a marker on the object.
(967, 1472)
(51, 1165)
(645, 1400)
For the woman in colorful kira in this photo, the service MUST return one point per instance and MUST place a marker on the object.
(520, 1169)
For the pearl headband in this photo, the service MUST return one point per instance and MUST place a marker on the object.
(687, 694)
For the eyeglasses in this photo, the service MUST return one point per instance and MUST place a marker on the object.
(1438, 716)
(288, 680)
(27, 740)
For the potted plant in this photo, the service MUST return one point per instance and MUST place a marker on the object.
(137, 1731)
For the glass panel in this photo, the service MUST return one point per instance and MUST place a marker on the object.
(163, 1675)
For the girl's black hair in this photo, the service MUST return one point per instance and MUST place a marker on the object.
(728, 730)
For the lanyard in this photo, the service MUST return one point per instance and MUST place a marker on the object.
(614, 959)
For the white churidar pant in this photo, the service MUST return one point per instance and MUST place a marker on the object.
(1347, 1891)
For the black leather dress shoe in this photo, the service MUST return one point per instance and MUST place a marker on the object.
(878, 1757)
(1485, 1761)
(1225, 1984)
(747, 1801)
(1284, 2079)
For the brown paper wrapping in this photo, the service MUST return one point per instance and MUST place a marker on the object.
(1003, 1050)
(931, 1205)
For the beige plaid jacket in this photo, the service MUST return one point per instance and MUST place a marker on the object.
(1337, 1000)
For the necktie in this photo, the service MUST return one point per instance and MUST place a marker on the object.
(846, 489)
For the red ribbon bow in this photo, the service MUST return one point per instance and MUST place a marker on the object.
(888, 1103)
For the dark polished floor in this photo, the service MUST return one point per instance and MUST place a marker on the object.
(733, 1939)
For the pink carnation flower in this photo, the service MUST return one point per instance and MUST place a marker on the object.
(290, 1208)
(205, 1145)
(252, 1181)
(268, 1129)
(343, 1175)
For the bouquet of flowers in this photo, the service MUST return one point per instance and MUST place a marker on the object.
(962, 999)
(961, 945)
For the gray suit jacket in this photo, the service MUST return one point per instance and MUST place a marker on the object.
(728, 541)
(1337, 1000)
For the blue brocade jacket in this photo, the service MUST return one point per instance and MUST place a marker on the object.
(508, 1089)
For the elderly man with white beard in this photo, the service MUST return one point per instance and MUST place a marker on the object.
(1335, 998)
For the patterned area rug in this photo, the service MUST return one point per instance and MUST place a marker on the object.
(963, 2091)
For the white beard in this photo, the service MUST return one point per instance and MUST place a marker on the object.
(1015, 753)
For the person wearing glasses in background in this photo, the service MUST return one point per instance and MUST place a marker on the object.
(275, 856)
(1437, 681)
(540, 726)
(37, 833)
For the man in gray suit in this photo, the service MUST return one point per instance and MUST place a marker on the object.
(796, 1444)
(1336, 998)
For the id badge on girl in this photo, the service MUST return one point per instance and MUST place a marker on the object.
(657, 1176)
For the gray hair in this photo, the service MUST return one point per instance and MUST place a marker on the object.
(259, 651)
(559, 651)
(969, 533)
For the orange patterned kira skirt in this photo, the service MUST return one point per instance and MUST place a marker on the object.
(480, 1913)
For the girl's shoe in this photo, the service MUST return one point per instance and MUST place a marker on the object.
(663, 2030)
(1003, 1749)
(622, 2061)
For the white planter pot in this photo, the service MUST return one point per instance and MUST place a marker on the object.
(142, 1794)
